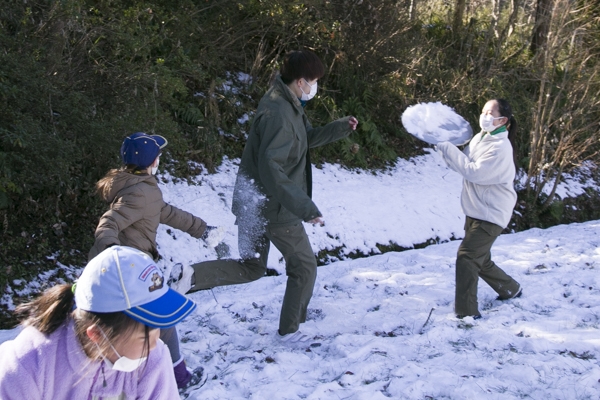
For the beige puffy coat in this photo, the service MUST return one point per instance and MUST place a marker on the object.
(136, 209)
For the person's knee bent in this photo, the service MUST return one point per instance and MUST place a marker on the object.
(257, 269)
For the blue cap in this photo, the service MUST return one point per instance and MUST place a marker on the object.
(127, 280)
(141, 149)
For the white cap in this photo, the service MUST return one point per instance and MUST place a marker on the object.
(126, 279)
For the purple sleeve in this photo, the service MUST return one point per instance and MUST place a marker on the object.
(16, 376)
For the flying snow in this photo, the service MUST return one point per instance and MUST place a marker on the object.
(436, 122)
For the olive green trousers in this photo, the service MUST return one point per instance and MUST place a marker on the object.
(300, 265)
(474, 260)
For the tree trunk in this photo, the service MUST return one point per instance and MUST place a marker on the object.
(543, 11)
(510, 25)
(459, 12)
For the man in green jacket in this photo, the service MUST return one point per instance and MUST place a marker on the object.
(272, 195)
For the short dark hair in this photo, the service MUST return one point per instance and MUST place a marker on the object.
(301, 64)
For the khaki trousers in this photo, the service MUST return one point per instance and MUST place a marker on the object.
(300, 265)
(474, 260)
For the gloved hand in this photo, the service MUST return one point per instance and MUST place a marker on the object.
(213, 235)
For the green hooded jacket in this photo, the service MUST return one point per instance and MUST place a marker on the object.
(275, 162)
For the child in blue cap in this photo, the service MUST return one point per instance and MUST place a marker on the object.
(136, 209)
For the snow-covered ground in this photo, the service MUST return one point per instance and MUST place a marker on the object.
(383, 326)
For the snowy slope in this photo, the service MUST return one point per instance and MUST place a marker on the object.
(411, 203)
(371, 341)
(383, 326)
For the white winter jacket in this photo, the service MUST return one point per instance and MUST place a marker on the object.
(488, 170)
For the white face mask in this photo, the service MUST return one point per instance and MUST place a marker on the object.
(486, 122)
(123, 364)
(154, 169)
(311, 94)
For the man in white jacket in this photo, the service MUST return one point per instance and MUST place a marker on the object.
(488, 198)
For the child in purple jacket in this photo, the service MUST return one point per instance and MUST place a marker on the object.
(98, 338)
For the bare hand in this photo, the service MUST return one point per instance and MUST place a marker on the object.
(353, 122)
(316, 221)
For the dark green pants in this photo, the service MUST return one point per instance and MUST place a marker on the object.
(474, 260)
(300, 265)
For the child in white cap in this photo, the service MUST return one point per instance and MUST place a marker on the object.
(98, 338)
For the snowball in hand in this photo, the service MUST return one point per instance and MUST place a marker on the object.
(436, 122)
(216, 236)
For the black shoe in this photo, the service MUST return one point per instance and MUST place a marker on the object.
(465, 316)
(517, 295)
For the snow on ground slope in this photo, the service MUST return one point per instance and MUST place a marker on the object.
(383, 326)
(371, 340)
(411, 203)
